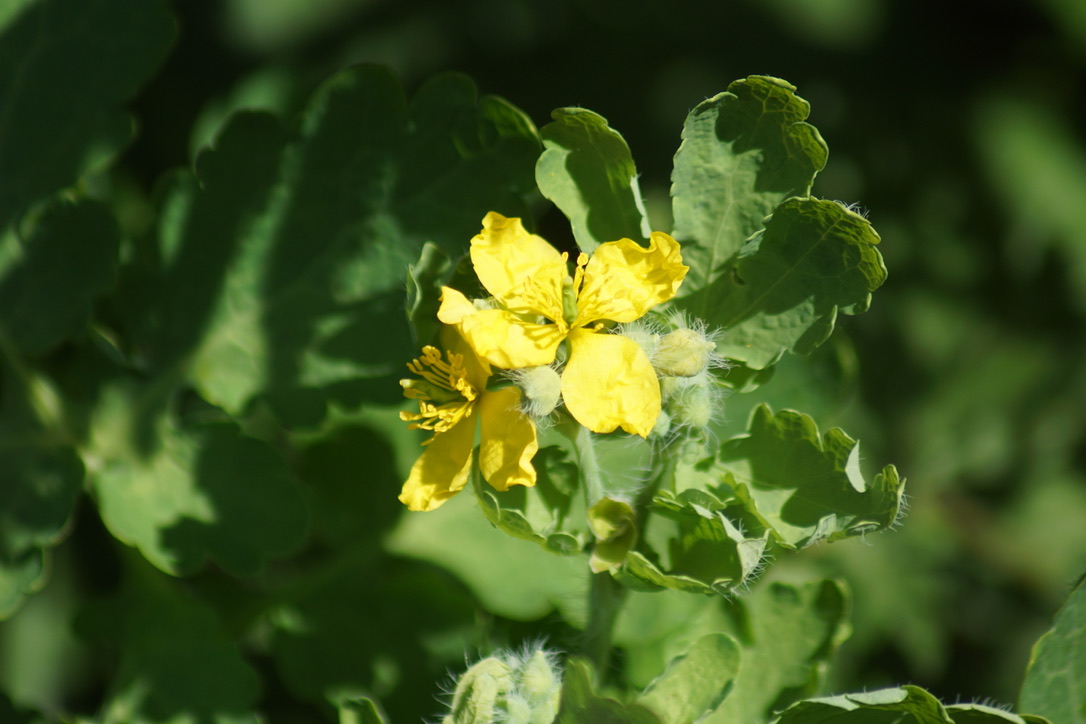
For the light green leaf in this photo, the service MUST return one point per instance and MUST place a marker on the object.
(743, 153)
(51, 271)
(983, 714)
(550, 513)
(513, 578)
(587, 171)
(783, 291)
(1055, 683)
(695, 682)
(692, 548)
(805, 487)
(582, 705)
(787, 634)
(186, 494)
(895, 706)
(66, 69)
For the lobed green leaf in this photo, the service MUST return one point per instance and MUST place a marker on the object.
(804, 487)
(909, 704)
(743, 152)
(784, 288)
(586, 169)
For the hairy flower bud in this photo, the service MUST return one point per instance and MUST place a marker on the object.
(512, 688)
(683, 353)
(542, 388)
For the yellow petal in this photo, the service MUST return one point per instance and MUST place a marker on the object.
(521, 270)
(508, 440)
(442, 470)
(504, 340)
(624, 280)
(609, 383)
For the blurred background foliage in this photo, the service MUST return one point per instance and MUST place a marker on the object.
(960, 128)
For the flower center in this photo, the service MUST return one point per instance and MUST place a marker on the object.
(444, 393)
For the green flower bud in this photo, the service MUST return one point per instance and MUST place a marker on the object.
(508, 688)
(542, 387)
(683, 353)
(693, 401)
(481, 692)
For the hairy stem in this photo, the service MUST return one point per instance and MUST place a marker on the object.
(605, 599)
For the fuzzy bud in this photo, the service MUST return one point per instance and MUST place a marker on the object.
(542, 387)
(511, 688)
(683, 353)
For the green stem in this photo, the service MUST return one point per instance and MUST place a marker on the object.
(589, 465)
(605, 599)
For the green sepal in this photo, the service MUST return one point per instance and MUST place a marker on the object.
(613, 523)
(743, 152)
(550, 513)
(783, 290)
(581, 704)
(805, 487)
(587, 171)
(886, 706)
(694, 682)
(1055, 682)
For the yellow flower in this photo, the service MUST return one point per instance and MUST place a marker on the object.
(453, 402)
(608, 381)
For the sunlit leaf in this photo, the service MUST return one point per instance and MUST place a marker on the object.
(587, 171)
(744, 151)
(784, 288)
(907, 704)
(805, 487)
(195, 493)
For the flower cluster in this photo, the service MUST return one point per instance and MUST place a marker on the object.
(551, 331)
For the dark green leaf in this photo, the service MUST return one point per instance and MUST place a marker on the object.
(66, 68)
(587, 171)
(281, 264)
(50, 276)
(42, 476)
(175, 661)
